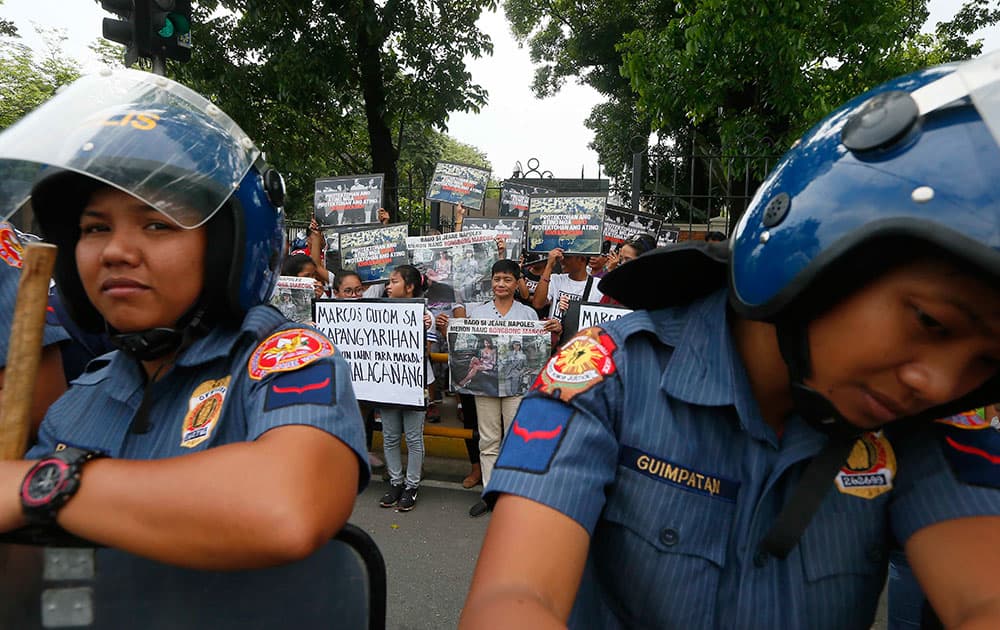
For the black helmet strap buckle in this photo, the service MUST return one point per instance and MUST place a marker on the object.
(148, 345)
(156, 343)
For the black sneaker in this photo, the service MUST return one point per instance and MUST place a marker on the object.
(408, 501)
(479, 509)
(391, 496)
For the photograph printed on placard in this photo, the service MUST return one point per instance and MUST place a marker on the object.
(573, 222)
(374, 252)
(349, 200)
(457, 261)
(496, 357)
(459, 184)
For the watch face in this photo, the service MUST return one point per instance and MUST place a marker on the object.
(45, 482)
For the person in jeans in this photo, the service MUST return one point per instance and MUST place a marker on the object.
(404, 282)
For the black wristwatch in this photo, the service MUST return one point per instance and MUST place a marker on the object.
(52, 482)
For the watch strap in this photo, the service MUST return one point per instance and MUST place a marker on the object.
(43, 511)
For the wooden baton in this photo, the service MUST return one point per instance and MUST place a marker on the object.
(24, 352)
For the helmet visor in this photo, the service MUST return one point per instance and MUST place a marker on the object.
(141, 133)
(978, 80)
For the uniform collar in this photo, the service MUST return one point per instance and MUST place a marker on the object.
(705, 368)
(259, 321)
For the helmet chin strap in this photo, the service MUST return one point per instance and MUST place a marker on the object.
(816, 480)
(814, 407)
(156, 343)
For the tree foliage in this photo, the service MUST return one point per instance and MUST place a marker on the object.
(332, 86)
(27, 79)
(728, 77)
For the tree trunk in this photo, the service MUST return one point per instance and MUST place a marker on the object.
(384, 154)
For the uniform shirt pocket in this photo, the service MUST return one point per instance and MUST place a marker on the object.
(659, 550)
(844, 560)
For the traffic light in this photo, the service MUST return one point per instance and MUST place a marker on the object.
(122, 31)
(163, 28)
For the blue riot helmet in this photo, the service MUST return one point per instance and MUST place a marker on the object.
(909, 167)
(176, 152)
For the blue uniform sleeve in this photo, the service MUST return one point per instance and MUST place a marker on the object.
(945, 472)
(314, 391)
(562, 450)
(10, 275)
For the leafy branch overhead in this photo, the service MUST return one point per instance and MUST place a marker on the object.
(736, 78)
(332, 86)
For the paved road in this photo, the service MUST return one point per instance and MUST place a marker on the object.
(429, 552)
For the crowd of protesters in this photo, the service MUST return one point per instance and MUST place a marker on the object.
(538, 286)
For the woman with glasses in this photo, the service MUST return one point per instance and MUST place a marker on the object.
(347, 286)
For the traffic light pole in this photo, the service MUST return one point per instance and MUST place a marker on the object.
(159, 65)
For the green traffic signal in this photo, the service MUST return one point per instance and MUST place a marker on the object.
(174, 24)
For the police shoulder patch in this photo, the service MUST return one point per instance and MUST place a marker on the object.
(580, 364)
(870, 467)
(969, 420)
(312, 385)
(10, 247)
(972, 448)
(287, 351)
(535, 435)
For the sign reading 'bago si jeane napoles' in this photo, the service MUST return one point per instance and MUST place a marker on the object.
(383, 342)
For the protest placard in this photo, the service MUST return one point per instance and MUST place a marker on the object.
(514, 198)
(591, 314)
(667, 235)
(622, 225)
(571, 221)
(352, 200)
(460, 261)
(383, 342)
(459, 183)
(374, 252)
(496, 357)
(510, 230)
(293, 296)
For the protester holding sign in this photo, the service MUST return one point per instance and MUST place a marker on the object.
(347, 286)
(302, 266)
(532, 267)
(404, 282)
(744, 454)
(219, 435)
(559, 290)
(496, 413)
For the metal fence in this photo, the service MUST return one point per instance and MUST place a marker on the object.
(700, 189)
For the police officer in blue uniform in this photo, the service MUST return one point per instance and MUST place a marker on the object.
(51, 381)
(219, 435)
(741, 458)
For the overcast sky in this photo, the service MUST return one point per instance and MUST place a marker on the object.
(514, 126)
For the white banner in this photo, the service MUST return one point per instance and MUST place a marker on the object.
(383, 341)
